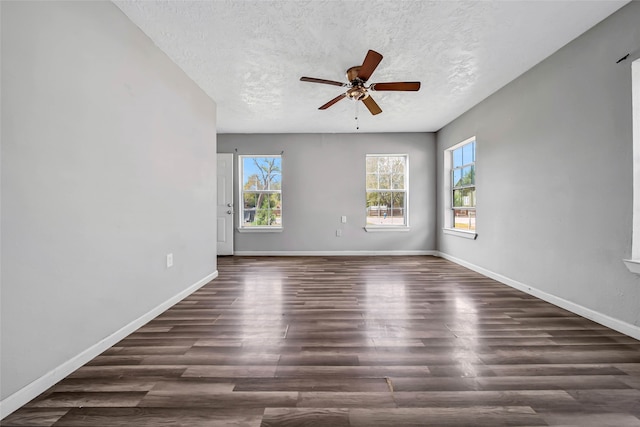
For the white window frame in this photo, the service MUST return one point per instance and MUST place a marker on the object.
(633, 264)
(257, 229)
(391, 227)
(448, 225)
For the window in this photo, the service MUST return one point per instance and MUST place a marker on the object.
(633, 264)
(463, 185)
(386, 188)
(261, 192)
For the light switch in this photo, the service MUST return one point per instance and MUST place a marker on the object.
(344, 219)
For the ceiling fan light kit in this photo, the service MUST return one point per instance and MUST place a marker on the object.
(357, 88)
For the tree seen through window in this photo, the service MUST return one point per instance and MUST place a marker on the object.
(386, 191)
(261, 191)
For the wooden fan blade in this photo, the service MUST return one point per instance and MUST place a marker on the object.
(333, 101)
(327, 82)
(369, 65)
(404, 86)
(372, 105)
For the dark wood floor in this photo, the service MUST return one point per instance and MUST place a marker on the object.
(353, 341)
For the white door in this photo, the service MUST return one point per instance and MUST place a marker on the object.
(225, 204)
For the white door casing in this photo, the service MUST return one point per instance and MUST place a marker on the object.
(224, 224)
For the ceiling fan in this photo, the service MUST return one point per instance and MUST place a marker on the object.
(357, 88)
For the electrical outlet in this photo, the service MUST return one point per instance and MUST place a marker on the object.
(338, 233)
(169, 260)
(344, 219)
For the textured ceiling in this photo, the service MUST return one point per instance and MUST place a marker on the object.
(249, 55)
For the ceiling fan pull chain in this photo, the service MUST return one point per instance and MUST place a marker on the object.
(357, 125)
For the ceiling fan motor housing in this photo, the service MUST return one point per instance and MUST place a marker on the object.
(358, 91)
(352, 74)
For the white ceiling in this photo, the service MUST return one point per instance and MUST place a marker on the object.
(249, 55)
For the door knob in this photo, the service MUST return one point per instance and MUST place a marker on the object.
(229, 211)
(229, 205)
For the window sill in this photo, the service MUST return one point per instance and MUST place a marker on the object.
(259, 229)
(633, 265)
(378, 229)
(460, 233)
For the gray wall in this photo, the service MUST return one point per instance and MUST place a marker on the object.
(324, 178)
(108, 164)
(554, 174)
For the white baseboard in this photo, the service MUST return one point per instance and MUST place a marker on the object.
(615, 324)
(25, 394)
(333, 253)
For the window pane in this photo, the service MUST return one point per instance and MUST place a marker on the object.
(468, 175)
(378, 208)
(457, 176)
(457, 157)
(373, 209)
(372, 181)
(396, 210)
(249, 174)
(471, 202)
(384, 165)
(397, 182)
(275, 182)
(467, 153)
(457, 198)
(464, 198)
(385, 201)
(250, 182)
(264, 217)
(278, 163)
(258, 173)
(372, 164)
(250, 200)
(276, 200)
(385, 182)
(464, 219)
(267, 211)
(397, 165)
(249, 208)
(372, 202)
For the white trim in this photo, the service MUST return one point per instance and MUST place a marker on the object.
(635, 109)
(387, 155)
(633, 265)
(259, 230)
(460, 144)
(32, 390)
(333, 253)
(460, 233)
(615, 324)
(384, 228)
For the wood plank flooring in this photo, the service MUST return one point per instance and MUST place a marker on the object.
(353, 341)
